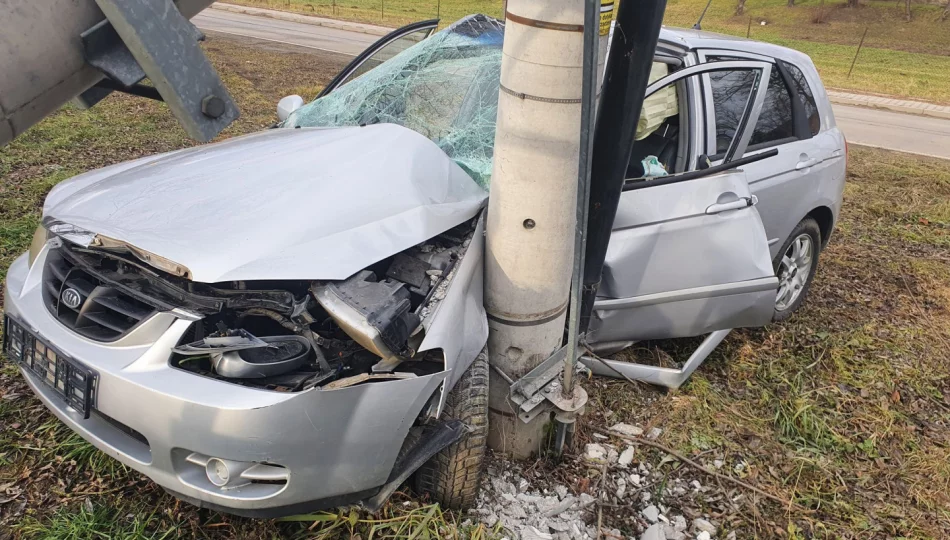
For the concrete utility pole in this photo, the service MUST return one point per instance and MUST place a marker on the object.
(531, 212)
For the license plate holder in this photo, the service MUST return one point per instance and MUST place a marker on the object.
(67, 378)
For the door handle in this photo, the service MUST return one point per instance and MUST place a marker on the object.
(807, 163)
(742, 202)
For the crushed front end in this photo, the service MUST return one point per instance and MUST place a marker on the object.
(256, 397)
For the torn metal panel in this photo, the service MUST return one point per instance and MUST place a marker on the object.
(366, 377)
(459, 325)
(280, 204)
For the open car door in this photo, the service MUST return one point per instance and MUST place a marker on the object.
(688, 254)
(383, 49)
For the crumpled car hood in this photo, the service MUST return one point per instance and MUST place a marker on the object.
(281, 204)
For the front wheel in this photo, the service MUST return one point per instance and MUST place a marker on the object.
(795, 266)
(451, 477)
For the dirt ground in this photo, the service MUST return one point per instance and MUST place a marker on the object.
(841, 413)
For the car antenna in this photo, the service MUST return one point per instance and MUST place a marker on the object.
(697, 25)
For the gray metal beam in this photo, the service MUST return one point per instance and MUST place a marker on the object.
(174, 63)
(42, 65)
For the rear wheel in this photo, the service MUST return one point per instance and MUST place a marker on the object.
(795, 266)
(451, 476)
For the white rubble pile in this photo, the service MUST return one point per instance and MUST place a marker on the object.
(530, 512)
(644, 497)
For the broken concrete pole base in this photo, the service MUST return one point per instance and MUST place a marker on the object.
(532, 206)
(507, 433)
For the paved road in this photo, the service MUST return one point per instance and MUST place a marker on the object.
(861, 125)
(895, 131)
(292, 33)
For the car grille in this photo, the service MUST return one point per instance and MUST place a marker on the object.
(86, 304)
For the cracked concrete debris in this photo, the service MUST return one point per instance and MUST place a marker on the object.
(658, 503)
(533, 509)
(627, 429)
(652, 513)
(701, 525)
(626, 457)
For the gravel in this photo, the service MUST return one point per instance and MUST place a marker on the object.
(534, 509)
(653, 532)
(652, 513)
(626, 457)
(644, 494)
(701, 525)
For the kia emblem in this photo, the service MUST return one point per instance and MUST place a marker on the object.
(71, 298)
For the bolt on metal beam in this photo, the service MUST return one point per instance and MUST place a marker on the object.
(174, 63)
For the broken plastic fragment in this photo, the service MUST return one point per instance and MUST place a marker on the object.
(236, 340)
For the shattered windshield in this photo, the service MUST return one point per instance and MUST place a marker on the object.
(445, 87)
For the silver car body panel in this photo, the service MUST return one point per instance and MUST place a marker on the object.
(270, 205)
(333, 442)
(681, 260)
(675, 269)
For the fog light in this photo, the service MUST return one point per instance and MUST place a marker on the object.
(218, 472)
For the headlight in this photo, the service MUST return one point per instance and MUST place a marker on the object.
(39, 240)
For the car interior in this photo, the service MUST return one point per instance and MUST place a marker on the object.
(661, 123)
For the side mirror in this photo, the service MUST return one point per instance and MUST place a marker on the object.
(288, 105)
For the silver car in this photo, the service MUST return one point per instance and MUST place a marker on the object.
(293, 319)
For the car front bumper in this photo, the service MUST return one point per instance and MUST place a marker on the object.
(337, 446)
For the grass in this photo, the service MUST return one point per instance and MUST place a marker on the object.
(909, 59)
(844, 409)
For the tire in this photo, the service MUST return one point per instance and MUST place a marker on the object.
(451, 477)
(792, 288)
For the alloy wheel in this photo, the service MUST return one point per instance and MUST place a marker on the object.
(794, 271)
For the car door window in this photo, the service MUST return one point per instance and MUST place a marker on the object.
(730, 89)
(730, 93)
(656, 154)
(776, 121)
(388, 51)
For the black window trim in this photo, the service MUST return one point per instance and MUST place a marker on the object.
(343, 76)
(802, 131)
(795, 87)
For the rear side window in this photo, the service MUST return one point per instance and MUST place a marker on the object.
(730, 93)
(730, 90)
(776, 121)
(806, 97)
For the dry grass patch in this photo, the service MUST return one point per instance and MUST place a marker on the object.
(843, 409)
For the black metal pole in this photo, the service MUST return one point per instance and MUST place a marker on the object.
(588, 107)
(628, 70)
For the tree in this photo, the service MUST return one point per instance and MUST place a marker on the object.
(907, 10)
(740, 6)
(946, 12)
(791, 3)
(852, 3)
